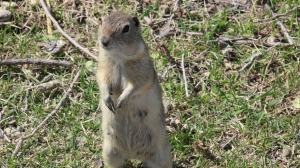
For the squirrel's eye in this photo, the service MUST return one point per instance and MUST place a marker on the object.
(125, 29)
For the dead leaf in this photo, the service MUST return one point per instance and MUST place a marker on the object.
(55, 46)
(166, 30)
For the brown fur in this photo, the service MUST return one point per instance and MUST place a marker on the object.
(133, 120)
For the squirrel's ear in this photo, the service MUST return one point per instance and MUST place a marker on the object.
(136, 20)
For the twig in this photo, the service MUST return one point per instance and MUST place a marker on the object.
(35, 61)
(279, 44)
(285, 32)
(225, 39)
(1, 113)
(10, 117)
(166, 71)
(250, 61)
(278, 15)
(65, 34)
(176, 5)
(190, 33)
(23, 138)
(253, 41)
(10, 23)
(225, 143)
(26, 100)
(25, 24)
(184, 77)
(4, 135)
(83, 129)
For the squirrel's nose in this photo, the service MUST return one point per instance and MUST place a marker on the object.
(104, 40)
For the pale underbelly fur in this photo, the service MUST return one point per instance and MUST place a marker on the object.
(137, 129)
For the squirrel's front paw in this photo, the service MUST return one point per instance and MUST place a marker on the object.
(120, 102)
(110, 104)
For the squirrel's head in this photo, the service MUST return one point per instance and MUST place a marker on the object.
(120, 35)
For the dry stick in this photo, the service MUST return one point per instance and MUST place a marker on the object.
(35, 61)
(256, 42)
(1, 113)
(23, 138)
(25, 25)
(65, 34)
(166, 71)
(250, 61)
(285, 32)
(279, 44)
(278, 15)
(10, 23)
(190, 33)
(184, 77)
(26, 100)
(4, 135)
(10, 117)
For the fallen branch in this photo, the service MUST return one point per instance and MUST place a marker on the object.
(23, 138)
(278, 15)
(253, 41)
(86, 51)
(184, 77)
(250, 61)
(35, 61)
(279, 44)
(225, 39)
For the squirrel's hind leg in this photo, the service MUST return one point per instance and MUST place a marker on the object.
(162, 159)
(111, 156)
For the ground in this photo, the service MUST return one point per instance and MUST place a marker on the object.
(229, 71)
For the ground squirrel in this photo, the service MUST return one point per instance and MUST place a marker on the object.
(133, 120)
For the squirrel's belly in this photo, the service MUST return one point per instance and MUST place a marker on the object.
(134, 129)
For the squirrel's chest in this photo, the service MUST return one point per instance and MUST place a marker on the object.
(121, 77)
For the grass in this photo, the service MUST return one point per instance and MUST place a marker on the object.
(246, 119)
